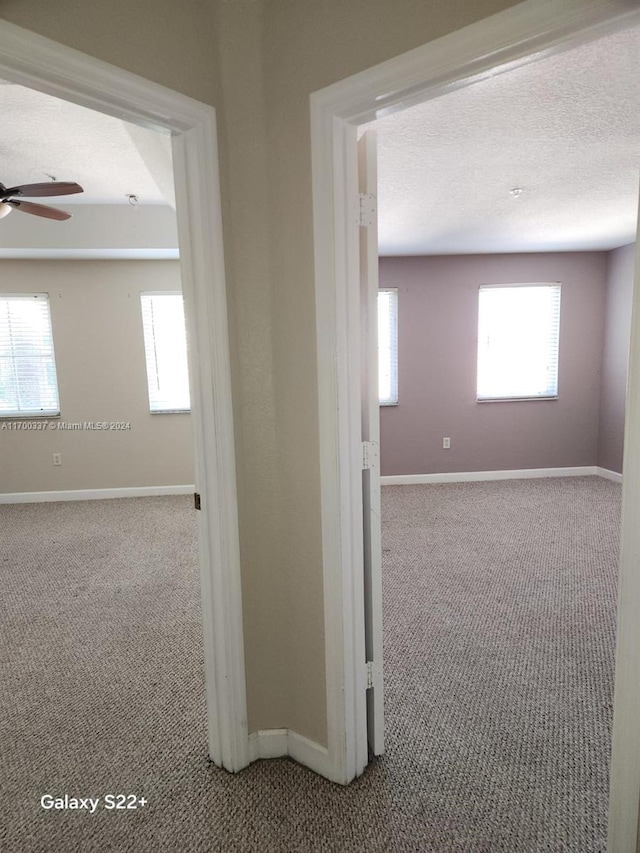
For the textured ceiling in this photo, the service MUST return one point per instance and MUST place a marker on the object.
(41, 136)
(566, 130)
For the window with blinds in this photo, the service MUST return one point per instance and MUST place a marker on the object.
(518, 338)
(165, 345)
(28, 382)
(388, 347)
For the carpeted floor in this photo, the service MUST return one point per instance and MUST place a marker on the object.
(499, 640)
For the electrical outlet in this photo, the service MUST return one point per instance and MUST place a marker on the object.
(446, 443)
(57, 458)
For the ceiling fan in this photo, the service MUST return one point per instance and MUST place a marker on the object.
(11, 198)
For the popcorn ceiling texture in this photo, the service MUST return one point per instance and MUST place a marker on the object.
(109, 157)
(565, 129)
(499, 641)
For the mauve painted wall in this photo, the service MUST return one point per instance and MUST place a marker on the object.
(437, 355)
(615, 356)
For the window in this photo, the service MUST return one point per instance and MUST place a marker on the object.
(518, 332)
(165, 345)
(28, 384)
(388, 347)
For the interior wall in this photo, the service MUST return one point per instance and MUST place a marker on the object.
(615, 356)
(100, 362)
(437, 367)
(263, 545)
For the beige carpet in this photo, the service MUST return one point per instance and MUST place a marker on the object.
(499, 637)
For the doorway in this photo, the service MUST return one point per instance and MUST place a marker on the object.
(40, 64)
(425, 73)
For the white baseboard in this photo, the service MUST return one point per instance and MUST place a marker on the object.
(516, 474)
(309, 753)
(472, 476)
(268, 743)
(93, 494)
(279, 743)
(609, 475)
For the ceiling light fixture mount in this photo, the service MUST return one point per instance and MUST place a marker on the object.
(516, 192)
(133, 199)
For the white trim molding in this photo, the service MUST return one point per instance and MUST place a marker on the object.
(521, 34)
(37, 62)
(280, 743)
(481, 476)
(269, 743)
(624, 794)
(609, 475)
(93, 494)
(388, 480)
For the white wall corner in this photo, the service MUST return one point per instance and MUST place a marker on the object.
(609, 475)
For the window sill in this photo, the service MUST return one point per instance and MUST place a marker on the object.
(388, 404)
(513, 399)
(23, 417)
(171, 412)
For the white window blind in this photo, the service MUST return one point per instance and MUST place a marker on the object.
(165, 344)
(28, 383)
(388, 347)
(518, 335)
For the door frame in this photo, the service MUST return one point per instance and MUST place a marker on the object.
(524, 33)
(32, 60)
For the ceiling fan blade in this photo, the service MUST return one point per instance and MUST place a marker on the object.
(39, 209)
(45, 189)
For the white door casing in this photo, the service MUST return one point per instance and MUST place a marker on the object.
(524, 33)
(370, 416)
(37, 62)
(625, 761)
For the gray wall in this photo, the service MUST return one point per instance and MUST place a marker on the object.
(437, 332)
(615, 356)
(98, 342)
